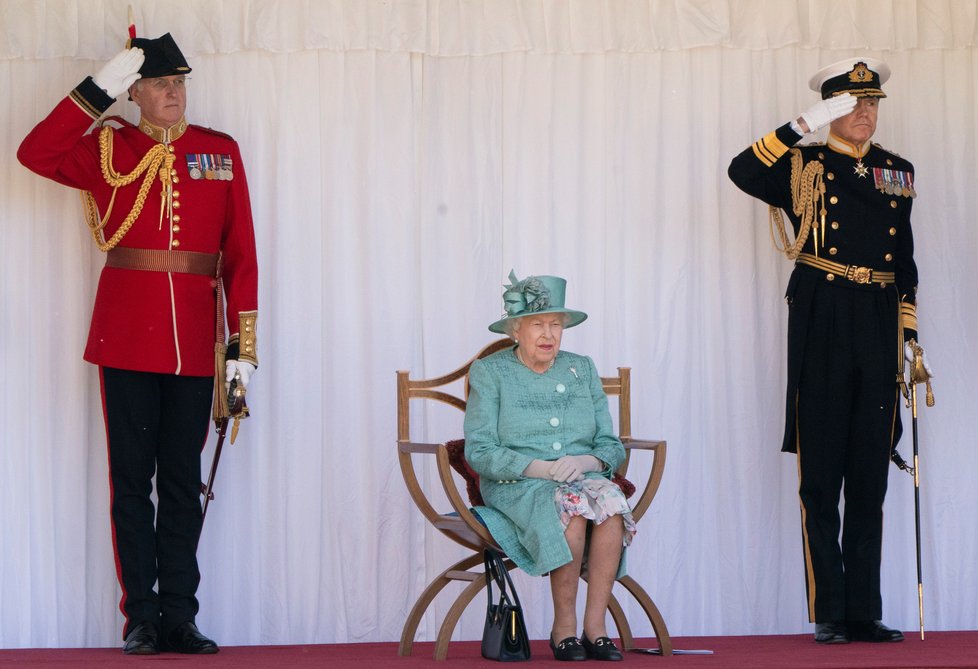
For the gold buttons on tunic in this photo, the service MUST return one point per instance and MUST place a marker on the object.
(830, 276)
(889, 162)
(821, 156)
(175, 243)
(830, 176)
(835, 225)
(892, 231)
(176, 204)
(834, 199)
(888, 257)
(893, 204)
(833, 251)
(176, 228)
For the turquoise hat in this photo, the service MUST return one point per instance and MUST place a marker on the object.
(535, 295)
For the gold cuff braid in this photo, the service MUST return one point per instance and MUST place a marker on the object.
(908, 316)
(248, 337)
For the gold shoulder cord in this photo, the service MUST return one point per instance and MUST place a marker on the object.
(150, 165)
(807, 188)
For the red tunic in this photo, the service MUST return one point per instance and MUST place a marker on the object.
(150, 320)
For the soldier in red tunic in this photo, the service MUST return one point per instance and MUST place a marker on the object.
(168, 203)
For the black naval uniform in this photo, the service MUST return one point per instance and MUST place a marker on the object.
(853, 280)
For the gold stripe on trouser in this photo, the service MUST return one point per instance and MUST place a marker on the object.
(160, 260)
(849, 272)
(809, 570)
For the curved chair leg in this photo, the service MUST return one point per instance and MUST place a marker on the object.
(421, 606)
(621, 622)
(454, 613)
(658, 624)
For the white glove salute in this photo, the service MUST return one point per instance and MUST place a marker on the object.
(121, 72)
(824, 112)
(241, 368)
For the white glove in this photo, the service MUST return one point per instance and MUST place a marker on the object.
(241, 368)
(573, 467)
(824, 112)
(121, 72)
(908, 356)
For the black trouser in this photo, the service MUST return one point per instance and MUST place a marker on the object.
(847, 402)
(156, 423)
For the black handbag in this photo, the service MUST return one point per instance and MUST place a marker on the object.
(504, 636)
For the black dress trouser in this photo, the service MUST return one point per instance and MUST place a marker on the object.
(156, 424)
(846, 424)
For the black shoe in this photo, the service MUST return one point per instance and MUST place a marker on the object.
(602, 648)
(831, 633)
(186, 638)
(143, 639)
(568, 650)
(874, 631)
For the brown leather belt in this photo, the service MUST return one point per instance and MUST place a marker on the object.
(159, 260)
(834, 270)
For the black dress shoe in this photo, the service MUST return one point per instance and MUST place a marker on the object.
(874, 631)
(186, 638)
(568, 650)
(143, 639)
(831, 633)
(602, 648)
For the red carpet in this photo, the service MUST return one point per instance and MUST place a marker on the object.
(940, 650)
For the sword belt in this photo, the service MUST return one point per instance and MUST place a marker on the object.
(853, 273)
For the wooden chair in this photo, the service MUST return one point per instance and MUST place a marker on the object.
(461, 525)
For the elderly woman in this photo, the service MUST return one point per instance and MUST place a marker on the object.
(539, 434)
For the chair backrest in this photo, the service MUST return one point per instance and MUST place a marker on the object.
(434, 389)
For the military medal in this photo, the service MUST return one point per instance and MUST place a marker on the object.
(893, 182)
(193, 166)
(860, 169)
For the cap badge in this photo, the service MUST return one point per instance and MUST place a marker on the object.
(861, 74)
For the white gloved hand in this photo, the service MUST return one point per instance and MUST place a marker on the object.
(908, 356)
(824, 112)
(121, 72)
(573, 467)
(240, 367)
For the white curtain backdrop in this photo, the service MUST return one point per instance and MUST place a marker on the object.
(403, 155)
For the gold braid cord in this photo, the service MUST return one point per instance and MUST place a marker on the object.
(150, 165)
(807, 188)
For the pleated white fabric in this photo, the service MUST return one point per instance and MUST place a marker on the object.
(403, 156)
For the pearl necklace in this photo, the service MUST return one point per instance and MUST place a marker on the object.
(519, 357)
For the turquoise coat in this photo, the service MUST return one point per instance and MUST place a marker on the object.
(514, 416)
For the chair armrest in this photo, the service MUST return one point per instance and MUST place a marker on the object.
(630, 443)
(658, 450)
(417, 447)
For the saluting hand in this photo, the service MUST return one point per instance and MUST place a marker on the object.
(824, 112)
(121, 72)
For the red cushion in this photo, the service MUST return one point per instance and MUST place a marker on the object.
(456, 458)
